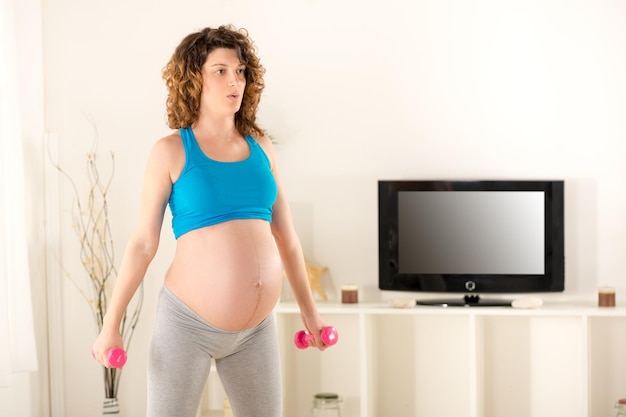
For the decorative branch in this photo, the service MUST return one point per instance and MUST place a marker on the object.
(93, 231)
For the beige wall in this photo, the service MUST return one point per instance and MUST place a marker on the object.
(356, 92)
(28, 396)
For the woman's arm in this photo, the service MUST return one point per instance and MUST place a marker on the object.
(142, 245)
(291, 254)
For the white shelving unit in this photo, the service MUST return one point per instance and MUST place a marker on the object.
(560, 359)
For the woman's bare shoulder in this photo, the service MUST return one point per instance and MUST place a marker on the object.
(268, 147)
(171, 140)
(168, 146)
(263, 140)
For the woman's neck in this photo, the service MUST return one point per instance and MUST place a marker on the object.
(216, 128)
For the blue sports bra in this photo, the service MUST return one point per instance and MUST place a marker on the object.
(209, 192)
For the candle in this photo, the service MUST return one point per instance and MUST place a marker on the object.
(349, 294)
(606, 297)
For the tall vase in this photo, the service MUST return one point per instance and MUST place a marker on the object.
(110, 407)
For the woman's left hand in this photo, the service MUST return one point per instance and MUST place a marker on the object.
(314, 325)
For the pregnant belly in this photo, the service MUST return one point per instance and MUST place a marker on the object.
(230, 274)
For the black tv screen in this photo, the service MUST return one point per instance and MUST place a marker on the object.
(471, 236)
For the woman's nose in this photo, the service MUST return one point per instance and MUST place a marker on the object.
(233, 79)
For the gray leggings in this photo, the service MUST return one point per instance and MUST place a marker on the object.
(183, 344)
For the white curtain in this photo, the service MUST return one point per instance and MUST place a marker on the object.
(17, 336)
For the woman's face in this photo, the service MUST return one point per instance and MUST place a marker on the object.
(223, 82)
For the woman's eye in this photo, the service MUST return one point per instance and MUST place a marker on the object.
(219, 71)
(241, 71)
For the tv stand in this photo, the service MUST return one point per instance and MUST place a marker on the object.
(472, 300)
(564, 359)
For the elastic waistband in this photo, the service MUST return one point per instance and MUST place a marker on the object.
(184, 309)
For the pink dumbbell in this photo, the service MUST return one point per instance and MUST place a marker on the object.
(329, 336)
(116, 357)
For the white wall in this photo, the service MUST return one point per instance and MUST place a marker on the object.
(28, 395)
(356, 92)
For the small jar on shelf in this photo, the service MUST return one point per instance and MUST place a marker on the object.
(621, 407)
(326, 405)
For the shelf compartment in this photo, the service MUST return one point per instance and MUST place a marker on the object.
(607, 367)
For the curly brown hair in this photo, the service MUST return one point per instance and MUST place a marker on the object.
(183, 77)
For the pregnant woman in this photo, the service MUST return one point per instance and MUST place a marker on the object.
(217, 172)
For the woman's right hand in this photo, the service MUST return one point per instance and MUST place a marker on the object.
(107, 340)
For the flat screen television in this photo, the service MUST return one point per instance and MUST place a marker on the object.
(471, 237)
